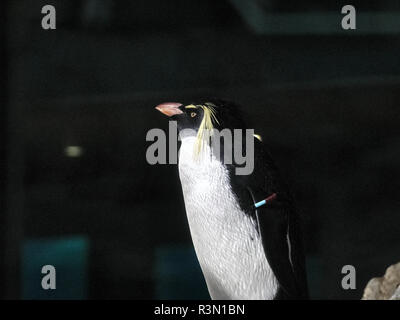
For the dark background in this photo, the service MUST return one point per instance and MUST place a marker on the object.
(326, 101)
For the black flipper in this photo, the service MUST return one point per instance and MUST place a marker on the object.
(273, 226)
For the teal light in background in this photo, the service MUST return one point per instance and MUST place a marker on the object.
(69, 256)
(178, 274)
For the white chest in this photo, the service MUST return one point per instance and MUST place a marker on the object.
(226, 241)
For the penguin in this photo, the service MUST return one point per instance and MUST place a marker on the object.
(245, 228)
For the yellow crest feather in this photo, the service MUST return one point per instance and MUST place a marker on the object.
(206, 126)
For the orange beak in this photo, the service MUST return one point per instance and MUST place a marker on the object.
(169, 108)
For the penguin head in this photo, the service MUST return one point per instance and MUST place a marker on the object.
(202, 115)
(199, 119)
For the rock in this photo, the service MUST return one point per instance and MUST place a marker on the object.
(396, 295)
(386, 287)
(372, 290)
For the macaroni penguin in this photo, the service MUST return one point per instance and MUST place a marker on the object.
(245, 228)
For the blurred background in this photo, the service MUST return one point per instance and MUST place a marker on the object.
(76, 103)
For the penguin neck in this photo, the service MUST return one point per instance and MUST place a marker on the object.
(193, 167)
(200, 156)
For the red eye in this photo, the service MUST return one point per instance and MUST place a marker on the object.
(193, 114)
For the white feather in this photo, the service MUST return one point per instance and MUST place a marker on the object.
(228, 247)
